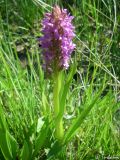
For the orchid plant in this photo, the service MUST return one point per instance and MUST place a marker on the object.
(57, 46)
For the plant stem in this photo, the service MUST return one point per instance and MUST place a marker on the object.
(59, 131)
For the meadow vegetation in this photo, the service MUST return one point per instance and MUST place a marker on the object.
(92, 82)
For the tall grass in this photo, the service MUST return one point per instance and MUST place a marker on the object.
(91, 118)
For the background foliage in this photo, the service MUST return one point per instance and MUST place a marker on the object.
(26, 126)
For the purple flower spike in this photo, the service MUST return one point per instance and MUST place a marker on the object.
(56, 42)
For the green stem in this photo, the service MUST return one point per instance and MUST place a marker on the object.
(59, 131)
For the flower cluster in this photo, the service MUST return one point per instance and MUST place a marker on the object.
(56, 41)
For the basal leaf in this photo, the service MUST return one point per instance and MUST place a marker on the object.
(5, 145)
(26, 151)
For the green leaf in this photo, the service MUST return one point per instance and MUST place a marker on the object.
(3, 125)
(65, 90)
(8, 145)
(5, 146)
(13, 144)
(26, 151)
(72, 130)
(41, 138)
(55, 149)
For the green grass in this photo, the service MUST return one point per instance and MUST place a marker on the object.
(91, 118)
